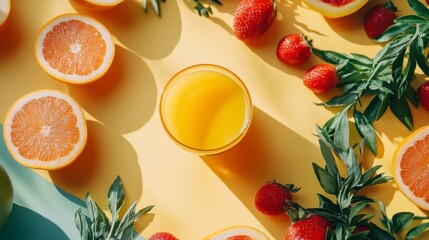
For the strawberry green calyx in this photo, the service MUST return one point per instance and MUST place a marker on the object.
(389, 5)
(287, 186)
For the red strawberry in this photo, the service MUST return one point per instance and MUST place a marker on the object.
(321, 78)
(313, 227)
(379, 18)
(252, 18)
(423, 95)
(163, 236)
(271, 198)
(293, 49)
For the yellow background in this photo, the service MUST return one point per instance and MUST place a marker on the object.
(195, 196)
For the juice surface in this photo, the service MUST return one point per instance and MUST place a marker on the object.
(206, 110)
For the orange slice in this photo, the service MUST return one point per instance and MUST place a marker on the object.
(335, 8)
(238, 233)
(45, 129)
(98, 5)
(4, 12)
(74, 49)
(411, 167)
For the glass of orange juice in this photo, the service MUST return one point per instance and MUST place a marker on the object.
(206, 109)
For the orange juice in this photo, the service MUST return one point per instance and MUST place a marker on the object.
(206, 109)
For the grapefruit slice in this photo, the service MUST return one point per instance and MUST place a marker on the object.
(45, 129)
(98, 5)
(411, 167)
(238, 233)
(335, 8)
(74, 49)
(4, 13)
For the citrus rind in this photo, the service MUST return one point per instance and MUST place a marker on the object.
(226, 233)
(4, 13)
(98, 5)
(331, 11)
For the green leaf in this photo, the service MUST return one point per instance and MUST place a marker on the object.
(341, 135)
(131, 216)
(366, 130)
(98, 218)
(369, 174)
(356, 208)
(410, 19)
(326, 203)
(327, 182)
(397, 64)
(116, 196)
(345, 99)
(419, 8)
(418, 49)
(401, 220)
(98, 226)
(384, 219)
(401, 110)
(156, 6)
(377, 107)
(392, 31)
(411, 95)
(416, 231)
(329, 56)
(377, 233)
(345, 195)
(82, 225)
(331, 165)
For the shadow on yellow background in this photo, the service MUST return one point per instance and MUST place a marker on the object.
(107, 155)
(128, 23)
(120, 100)
(261, 157)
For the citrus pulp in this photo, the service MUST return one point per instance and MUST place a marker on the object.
(45, 129)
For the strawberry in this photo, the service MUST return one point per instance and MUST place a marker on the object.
(252, 18)
(379, 18)
(321, 78)
(293, 49)
(271, 198)
(423, 95)
(312, 227)
(163, 236)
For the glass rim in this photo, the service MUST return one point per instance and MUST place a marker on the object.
(217, 68)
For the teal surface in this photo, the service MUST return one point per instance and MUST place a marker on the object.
(41, 210)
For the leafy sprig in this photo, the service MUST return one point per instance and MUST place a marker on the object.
(201, 8)
(156, 6)
(345, 212)
(385, 79)
(97, 226)
(398, 223)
